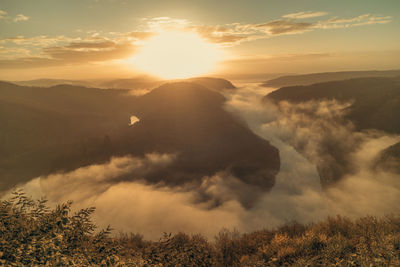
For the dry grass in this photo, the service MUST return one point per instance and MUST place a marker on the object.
(32, 234)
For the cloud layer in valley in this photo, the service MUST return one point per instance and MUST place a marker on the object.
(124, 200)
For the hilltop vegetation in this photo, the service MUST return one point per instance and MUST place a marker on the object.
(375, 101)
(366, 105)
(32, 234)
(64, 127)
(390, 158)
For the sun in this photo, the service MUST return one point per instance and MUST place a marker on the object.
(176, 55)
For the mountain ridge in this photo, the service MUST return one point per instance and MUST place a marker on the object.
(312, 78)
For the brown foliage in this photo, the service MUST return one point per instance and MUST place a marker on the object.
(32, 234)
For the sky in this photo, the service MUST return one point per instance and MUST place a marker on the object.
(82, 39)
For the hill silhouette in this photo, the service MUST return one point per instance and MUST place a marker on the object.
(389, 159)
(374, 104)
(213, 83)
(308, 79)
(65, 127)
(376, 101)
(189, 119)
(54, 82)
(139, 82)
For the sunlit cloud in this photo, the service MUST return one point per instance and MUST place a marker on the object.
(284, 27)
(236, 33)
(97, 46)
(305, 15)
(20, 17)
(10, 53)
(89, 52)
(223, 35)
(165, 23)
(362, 20)
(73, 53)
(3, 14)
(40, 40)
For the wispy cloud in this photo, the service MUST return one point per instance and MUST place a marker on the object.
(279, 27)
(224, 35)
(90, 51)
(3, 14)
(74, 51)
(236, 33)
(10, 53)
(305, 15)
(99, 46)
(39, 41)
(366, 19)
(20, 17)
(161, 23)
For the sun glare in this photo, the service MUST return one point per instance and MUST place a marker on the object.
(175, 55)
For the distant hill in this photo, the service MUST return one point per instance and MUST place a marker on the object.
(190, 119)
(376, 100)
(389, 159)
(140, 82)
(53, 82)
(213, 83)
(308, 79)
(40, 125)
(61, 128)
(375, 105)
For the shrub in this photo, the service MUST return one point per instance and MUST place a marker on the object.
(31, 234)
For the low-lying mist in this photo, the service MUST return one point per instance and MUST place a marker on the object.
(316, 146)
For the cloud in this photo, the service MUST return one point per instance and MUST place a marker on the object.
(45, 51)
(318, 131)
(305, 15)
(37, 41)
(163, 23)
(20, 17)
(88, 181)
(3, 14)
(73, 53)
(278, 27)
(129, 204)
(61, 50)
(140, 35)
(11, 53)
(236, 33)
(297, 193)
(90, 51)
(126, 202)
(219, 34)
(362, 20)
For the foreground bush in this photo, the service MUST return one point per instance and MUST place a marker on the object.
(32, 234)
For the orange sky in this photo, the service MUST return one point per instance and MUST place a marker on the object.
(92, 39)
